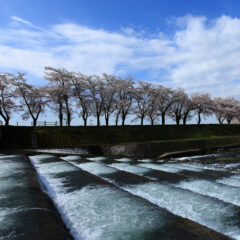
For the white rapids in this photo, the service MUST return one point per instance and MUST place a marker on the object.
(97, 158)
(192, 206)
(130, 168)
(7, 170)
(160, 167)
(123, 159)
(106, 212)
(183, 167)
(196, 207)
(97, 212)
(231, 181)
(226, 193)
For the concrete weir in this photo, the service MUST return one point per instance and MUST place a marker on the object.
(26, 212)
(88, 203)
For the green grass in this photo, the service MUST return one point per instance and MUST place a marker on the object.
(221, 160)
(230, 159)
(80, 136)
(185, 139)
(75, 136)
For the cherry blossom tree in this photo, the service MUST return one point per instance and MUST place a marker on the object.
(33, 99)
(164, 102)
(203, 105)
(7, 96)
(95, 86)
(226, 109)
(109, 96)
(218, 110)
(179, 99)
(81, 94)
(231, 109)
(61, 78)
(55, 97)
(124, 98)
(153, 104)
(142, 94)
(187, 111)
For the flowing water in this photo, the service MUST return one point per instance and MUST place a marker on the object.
(94, 209)
(25, 211)
(124, 198)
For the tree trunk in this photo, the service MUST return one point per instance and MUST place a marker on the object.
(60, 115)
(68, 112)
(142, 121)
(177, 120)
(69, 119)
(85, 122)
(229, 121)
(123, 121)
(7, 121)
(98, 121)
(199, 118)
(185, 116)
(117, 118)
(34, 122)
(163, 118)
(107, 120)
(185, 120)
(123, 115)
(152, 121)
(5, 118)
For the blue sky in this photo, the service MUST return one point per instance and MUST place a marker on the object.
(178, 43)
(111, 15)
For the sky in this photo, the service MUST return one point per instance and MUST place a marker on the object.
(177, 43)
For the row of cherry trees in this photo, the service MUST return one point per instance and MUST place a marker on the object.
(68, 93)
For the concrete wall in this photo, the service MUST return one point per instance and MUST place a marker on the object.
(156, 149)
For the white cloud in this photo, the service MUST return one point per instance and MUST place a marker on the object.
(201, 56)
(18, 19)
(208, 55)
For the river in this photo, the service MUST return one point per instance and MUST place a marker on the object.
(127, 198)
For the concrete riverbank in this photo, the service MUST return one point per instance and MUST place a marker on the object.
(26, 211)
(174, 148)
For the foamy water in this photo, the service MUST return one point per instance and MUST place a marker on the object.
(145, 160)
(226, 193)
(207, 211)
(183, 167)
(231, 181)
(130, 168)
(72, 158)
(160, 167)
(123, 159)
(211, 213)
(97, 158)
(8, 169)
(196, 157)
(98, 212)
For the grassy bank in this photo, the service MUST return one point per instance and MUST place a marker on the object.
(76, 136)
(50, 137)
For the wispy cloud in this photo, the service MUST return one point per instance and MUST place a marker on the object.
(201, 55)
(18, 19)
